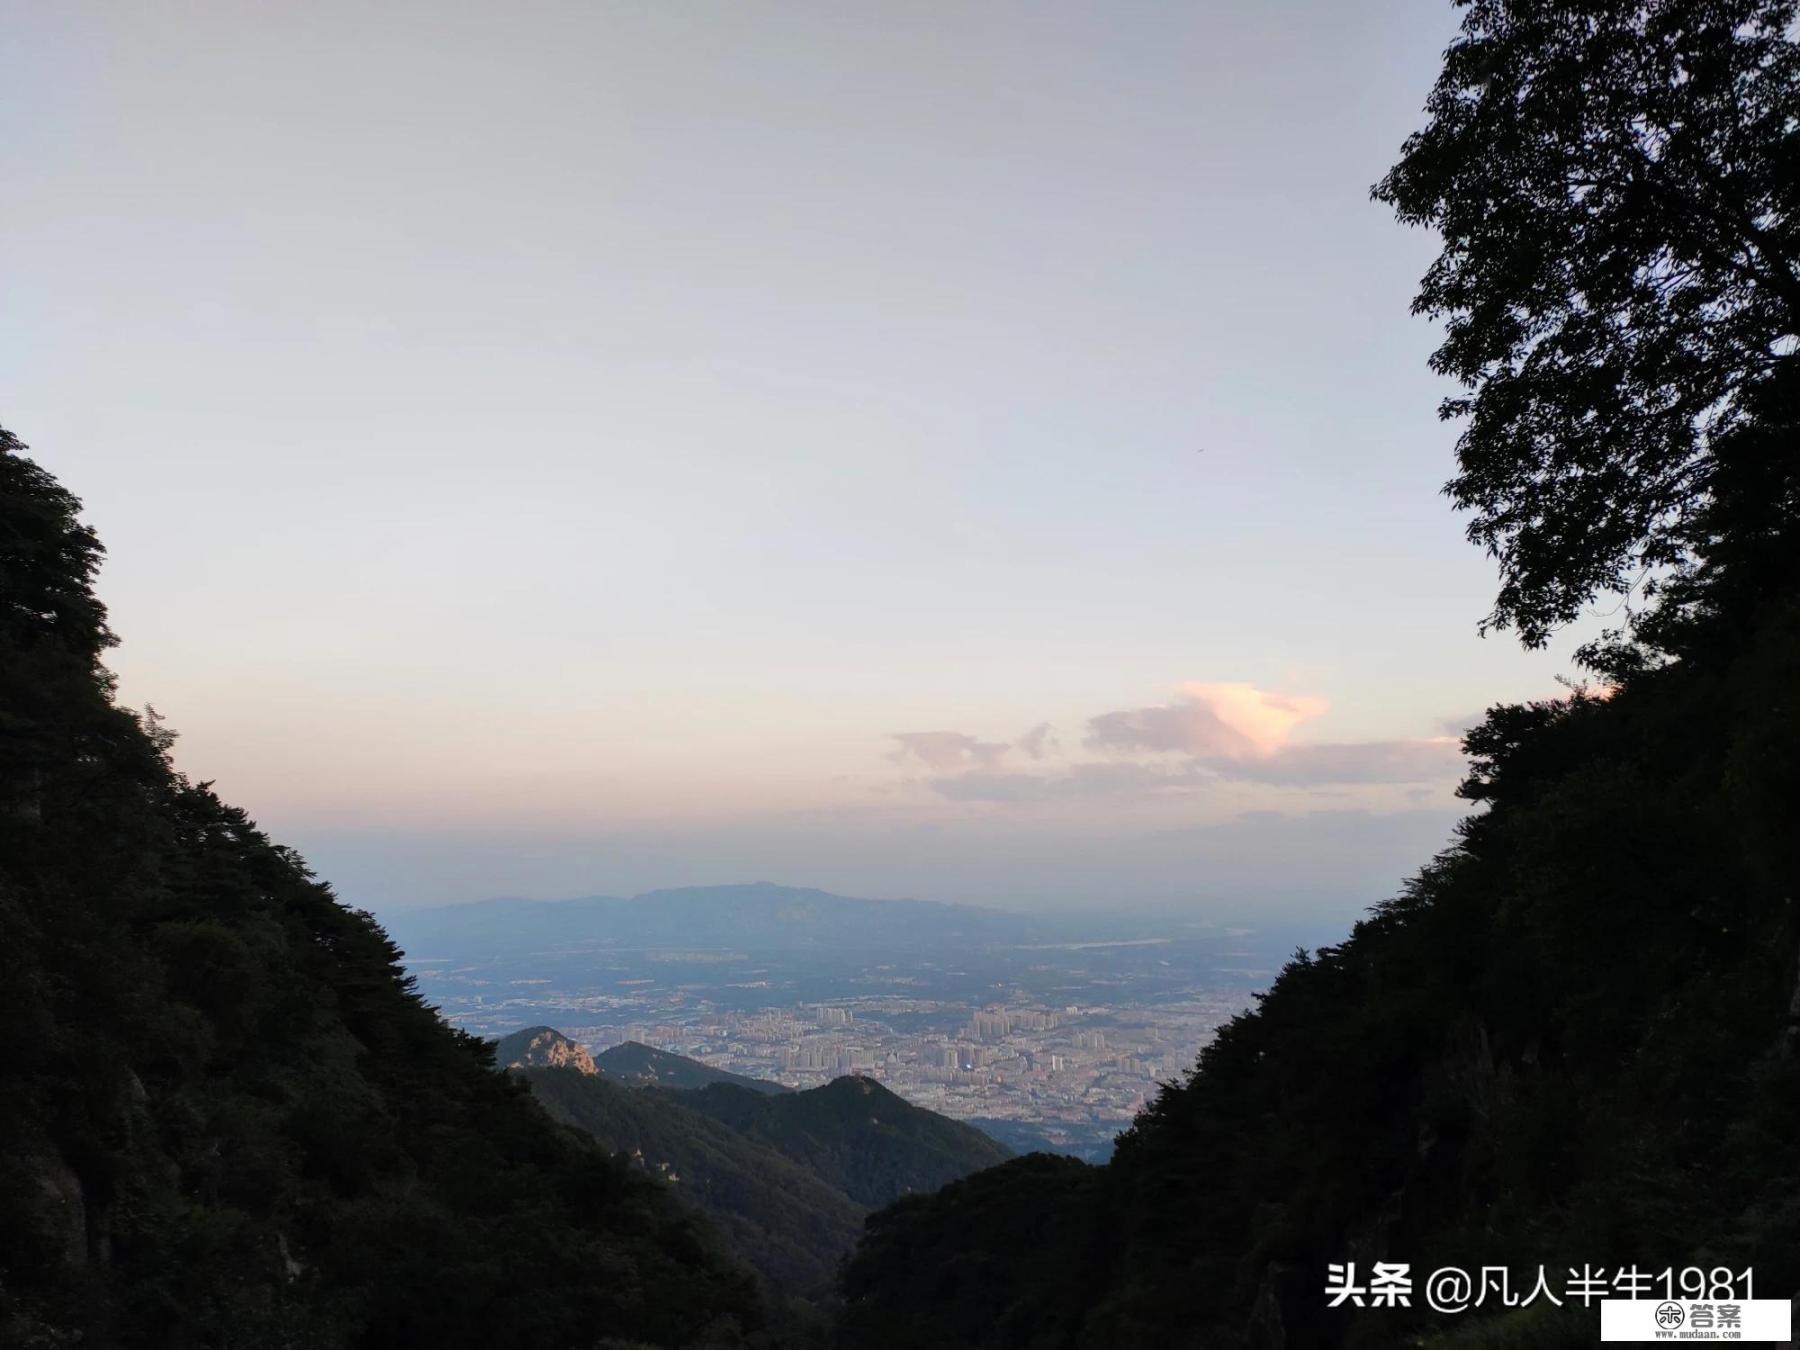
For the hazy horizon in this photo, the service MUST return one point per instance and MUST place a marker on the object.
(1218, 913)
(980, 455)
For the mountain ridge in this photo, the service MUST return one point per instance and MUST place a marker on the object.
(788, 1176)
(752, 916)
(631, 1063)
(870, 1142)
(791, 1226)
(642, 1065)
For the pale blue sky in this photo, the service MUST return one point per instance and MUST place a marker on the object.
(558, 448)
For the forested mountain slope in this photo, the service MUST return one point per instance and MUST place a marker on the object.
(870, 1143)
(792, 1225)
(787, 1176)
(226, 1118)
(1571, 1039)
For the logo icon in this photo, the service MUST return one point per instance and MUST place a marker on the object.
(1670, 1315)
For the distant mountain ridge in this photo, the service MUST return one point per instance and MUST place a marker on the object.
(644, 1066)
(630, 1063)
(759, 915)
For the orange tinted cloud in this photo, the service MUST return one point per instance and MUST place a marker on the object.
(1230, 721)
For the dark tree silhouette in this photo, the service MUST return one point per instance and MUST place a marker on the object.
(226, 1116)
(1574, 1028)
(1615, 185)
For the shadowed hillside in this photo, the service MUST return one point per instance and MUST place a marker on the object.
(788, 1176)
(1571, 1038)
(1572, 1041)
(793, 1226)
(868, 1142)
(227, 1119)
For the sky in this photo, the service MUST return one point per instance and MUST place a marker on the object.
(974, 451)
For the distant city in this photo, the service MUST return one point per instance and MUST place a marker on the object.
(1045, 1044)
(1069, 1077)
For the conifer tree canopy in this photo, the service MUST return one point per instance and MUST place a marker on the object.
(48, 560)
(1615, 187)
(226, 1116)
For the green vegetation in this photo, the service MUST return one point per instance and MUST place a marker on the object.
(869, 1143)
(227, 1119)
(1574, 1038)
(791, 1225)
(1010, 1257)
(1570, 1040)
(1619, 283)
(787, 1176)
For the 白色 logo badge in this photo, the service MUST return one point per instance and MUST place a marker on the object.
(1670, 1315)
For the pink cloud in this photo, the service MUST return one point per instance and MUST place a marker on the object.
(1207, 733)
(1212, 721)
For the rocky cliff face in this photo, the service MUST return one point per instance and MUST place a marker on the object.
(542, 1048)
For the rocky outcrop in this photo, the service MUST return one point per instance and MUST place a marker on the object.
(543, 1048)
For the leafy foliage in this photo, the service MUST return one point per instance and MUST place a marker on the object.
(1574, 1038)
(1615, 186)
